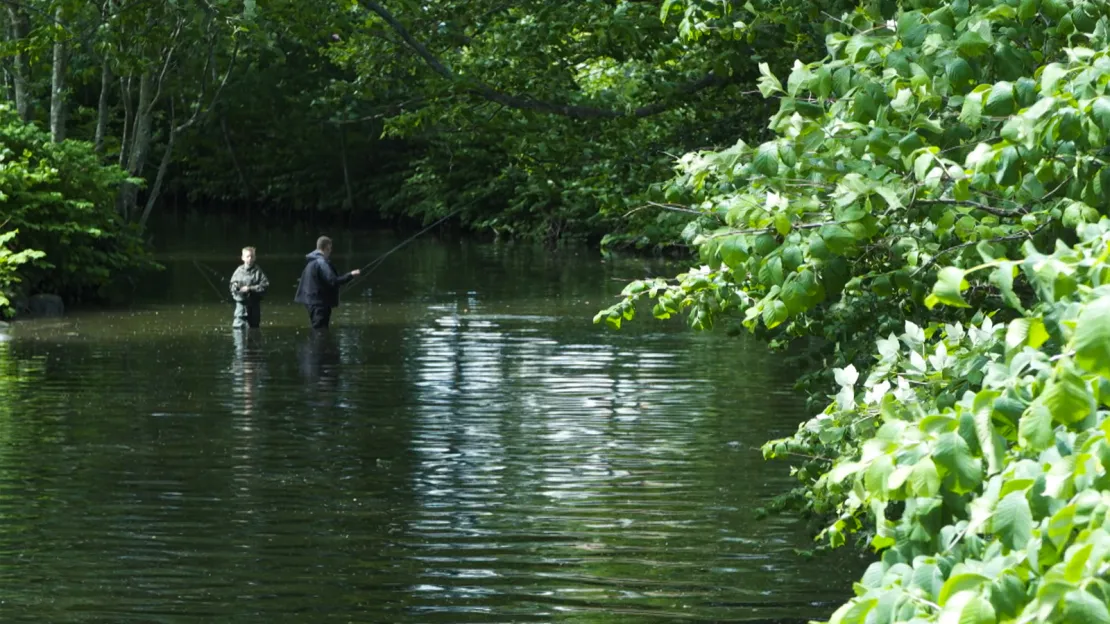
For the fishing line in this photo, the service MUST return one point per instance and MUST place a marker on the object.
(223, 296)
(366, 270)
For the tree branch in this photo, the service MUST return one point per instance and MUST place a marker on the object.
(998, 212)
(998, 239)
(518, 102)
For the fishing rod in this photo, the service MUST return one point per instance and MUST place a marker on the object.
(377, 262)
(222, 295)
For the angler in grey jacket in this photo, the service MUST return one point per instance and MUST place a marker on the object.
(318, 289)
(248, 285)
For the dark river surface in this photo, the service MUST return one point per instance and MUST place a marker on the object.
(463, 445)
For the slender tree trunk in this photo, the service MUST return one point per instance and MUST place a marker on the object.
(125, 140)
(102, 107)
(21, 72)
(350, 201)
(140, 145)
(58, 85)
(156, 188)
(248, 191)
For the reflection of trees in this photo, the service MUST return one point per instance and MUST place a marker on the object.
(598, 464)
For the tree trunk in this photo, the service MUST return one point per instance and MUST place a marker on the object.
(247, 189)
(156, 188)
(102, 107)
(350, 201)
(20, 70)
(125, 140)
(140, 145)
(58, 85)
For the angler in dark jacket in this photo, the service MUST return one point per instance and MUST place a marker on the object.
(318, 289)
(248, 285)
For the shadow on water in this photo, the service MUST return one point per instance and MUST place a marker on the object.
(462, 445)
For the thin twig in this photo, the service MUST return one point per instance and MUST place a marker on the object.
(1000, 239)
(998, 212)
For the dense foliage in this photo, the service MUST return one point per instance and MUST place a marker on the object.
(932, 144)
(63, 203)
(9, 262)
(534, 118)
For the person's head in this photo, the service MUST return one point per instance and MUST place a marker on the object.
(248, 256)
(323, 245)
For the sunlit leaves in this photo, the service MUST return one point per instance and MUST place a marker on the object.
(949, 288)
(1092, 337)
(1012, 521)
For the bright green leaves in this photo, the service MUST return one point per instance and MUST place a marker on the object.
(1067, 397)
(775, 313)
(1100, 112)
(1035, 427)
(968, 608)
(1026, 332)
(949, 288)
(962, 470)
(925, 479)
(1092, 337)
(766, 161)
(1080, 607)
(1012, 521)
(768, 83)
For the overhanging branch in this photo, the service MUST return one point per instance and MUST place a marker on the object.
(514, 101)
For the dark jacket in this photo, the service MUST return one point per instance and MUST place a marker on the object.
(320, 282)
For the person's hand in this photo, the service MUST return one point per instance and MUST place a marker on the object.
(355, 272)
(244, 289)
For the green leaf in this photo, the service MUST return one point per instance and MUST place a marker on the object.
(950, 286)
(960, 75)
(922, 164)
(1003, 278)
(1050, 76)
(957, 583)
(1066, 396)
(1026, 331)
(839, 240)
(1027, 10)
(1012, 521)
(774, 313)
(766, 160)
(1100, 112)
(1035, 427)
(1080, 607)
(953, 454)
(924, 479)
(990, 443)
(1000, 101)
(1008, 171)
(768, 83)
(972, 111)
(972, 44)
(1061, 525)
(1091, 340)
(977, 610)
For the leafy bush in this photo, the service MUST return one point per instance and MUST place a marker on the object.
(9, 262)
(936, 141)
(62, 200)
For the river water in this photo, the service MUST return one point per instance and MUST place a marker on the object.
(463, 445)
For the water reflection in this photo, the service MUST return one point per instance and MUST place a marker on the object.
(466, 456)
(319, 358)
(248, 369)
